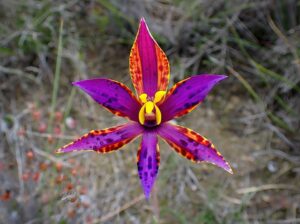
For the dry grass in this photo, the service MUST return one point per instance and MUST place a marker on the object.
(252, 117)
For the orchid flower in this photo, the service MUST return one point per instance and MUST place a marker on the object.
(150, 112)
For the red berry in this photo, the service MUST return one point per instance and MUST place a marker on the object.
(42, 127)
(58, 116)
(58, 167)
(36, 176)
(29, 155)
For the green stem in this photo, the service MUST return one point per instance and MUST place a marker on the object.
(56, 78)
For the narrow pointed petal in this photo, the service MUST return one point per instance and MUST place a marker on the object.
(184, 96)
(106, 140)
(113, 95)
(192, 146)
(148, 161)
(149, 66)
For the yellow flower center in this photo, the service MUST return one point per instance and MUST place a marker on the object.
(150, 114)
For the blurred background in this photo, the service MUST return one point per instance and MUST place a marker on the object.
(252, 117)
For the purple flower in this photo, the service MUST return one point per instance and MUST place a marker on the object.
(150, 112)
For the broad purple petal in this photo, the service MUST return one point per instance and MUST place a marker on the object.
(148, 161)
(106, 140)
(187, 94)
(114, 96)
(149, 66)
(191, 145)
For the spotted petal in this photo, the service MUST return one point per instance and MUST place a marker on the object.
(149, 66)
(184, 96)
(148, 161)
(106, 140)
(192, 146)
(113, 95)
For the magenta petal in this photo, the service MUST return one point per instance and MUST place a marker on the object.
(105, 140)
(191, 145)
(148, 161)
(187, 94)
(146, 46)
(114, 96)
(149, 66)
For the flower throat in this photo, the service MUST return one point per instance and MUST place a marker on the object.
(150, 114)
